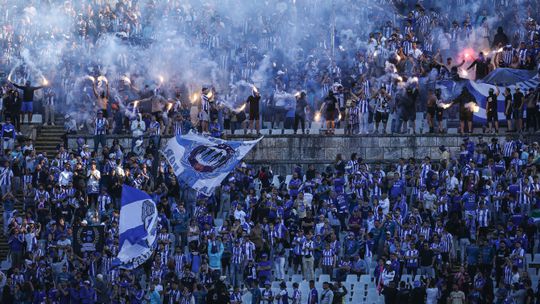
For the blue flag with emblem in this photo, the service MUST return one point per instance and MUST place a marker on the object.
(138, 228)
(203, 162)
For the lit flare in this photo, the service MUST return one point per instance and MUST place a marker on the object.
(317, 116)
(194, 98)
(472, 106)
(242, 108)
(126, 79)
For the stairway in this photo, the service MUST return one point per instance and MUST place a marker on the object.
(47, 139)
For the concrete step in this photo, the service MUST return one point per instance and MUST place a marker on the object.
(44, 137)
(52, 131)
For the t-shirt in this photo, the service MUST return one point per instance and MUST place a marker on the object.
(491, 103)
(390, 295)
(457, 297)
(518, 100)
(426, 257)
(330, 103)
(508, 102)
(472, 254)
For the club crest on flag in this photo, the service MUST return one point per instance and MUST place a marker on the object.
(208, 159)
(203, 162)
(138, 228)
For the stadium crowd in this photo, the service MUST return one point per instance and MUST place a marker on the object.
(464, 224)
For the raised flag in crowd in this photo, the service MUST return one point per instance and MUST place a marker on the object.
(203, 162)
(138, 228)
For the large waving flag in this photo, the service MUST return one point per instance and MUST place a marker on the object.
(203, 162)
(138, 228)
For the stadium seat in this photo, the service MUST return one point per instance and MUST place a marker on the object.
(357, 298)
(536, 259)
(304, 288)
(275, 284)
(375, 298)
(351, 281)
(407, 278)
(359, 288)
(366, 279)
(534, 280)
(296, 278)
(323, 278)
(528, 258)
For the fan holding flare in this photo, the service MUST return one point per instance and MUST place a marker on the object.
(254, 114)
(467, 105)
(28, 97)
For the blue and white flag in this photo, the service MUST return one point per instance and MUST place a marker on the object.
(203, 162)
(138, 228)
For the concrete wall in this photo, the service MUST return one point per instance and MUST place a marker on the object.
(282, 152)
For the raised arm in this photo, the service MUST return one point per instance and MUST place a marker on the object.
(17, 85)
(472, 65)
(461, 64)
(94, 89)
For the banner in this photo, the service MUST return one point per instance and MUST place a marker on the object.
(88, 239)
(138, 228)
(501, 78)
(203, 162)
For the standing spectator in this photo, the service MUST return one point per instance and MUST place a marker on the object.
(9, 134)
(300, 112)
(390, 294)
(330, 106)
(531, 99)
(427, 260)
(327, 295)
(254, 115)
(6, 179)
(138, 127)
(382, 109)
(308, 258)
(457, 296)
(154, 131)
(517, 108)
(313, 296)
(49, 106)
(16, 248)
(100, 131)
(28, 99)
